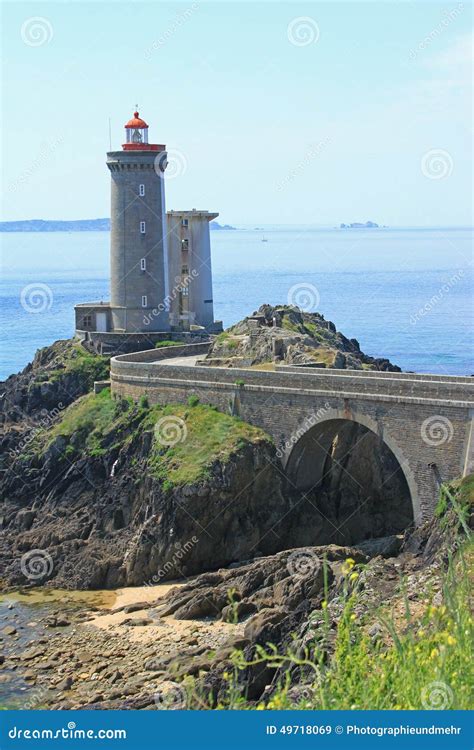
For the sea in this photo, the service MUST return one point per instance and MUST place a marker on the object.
(404, 294)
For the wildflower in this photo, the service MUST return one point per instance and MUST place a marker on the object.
(451, 641)
(324, 604)
(353, 577)
(434, 653)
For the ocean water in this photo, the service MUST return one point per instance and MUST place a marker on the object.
(405, 294)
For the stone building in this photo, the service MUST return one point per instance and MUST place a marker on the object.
(189, 264)
(160, 264)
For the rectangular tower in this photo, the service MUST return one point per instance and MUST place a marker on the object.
(189, 269)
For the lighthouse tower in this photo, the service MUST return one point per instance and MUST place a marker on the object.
(138, 252)
(160, 264)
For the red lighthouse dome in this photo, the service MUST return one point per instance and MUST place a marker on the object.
(136, 122)
(136, 131)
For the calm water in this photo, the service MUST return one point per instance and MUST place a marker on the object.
(370, 283)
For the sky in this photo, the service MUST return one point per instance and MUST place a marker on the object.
(273, 113)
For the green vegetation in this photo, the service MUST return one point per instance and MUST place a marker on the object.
(88, 419)
(198, 437)
(77, 361)
(166, 342)
(187, 439)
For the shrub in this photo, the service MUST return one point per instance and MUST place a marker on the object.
(193, 400)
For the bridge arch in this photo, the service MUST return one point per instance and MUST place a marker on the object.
(308, 454)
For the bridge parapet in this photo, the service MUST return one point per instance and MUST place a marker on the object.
(426, 421)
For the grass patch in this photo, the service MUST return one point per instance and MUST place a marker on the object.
(90, 418)
(89, 367)
(203, 436)
(187, 438)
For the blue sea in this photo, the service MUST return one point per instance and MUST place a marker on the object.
(405, 294)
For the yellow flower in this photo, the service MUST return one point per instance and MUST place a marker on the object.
(350, 562)
(451, 641)
(434, 653)
(353, 617)
(353, 577)
(324, 604)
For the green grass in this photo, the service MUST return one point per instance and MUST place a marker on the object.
(89, 418)
(89, 367)
(187, 439)
(203, 436)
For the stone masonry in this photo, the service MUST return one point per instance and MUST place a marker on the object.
(425, 420)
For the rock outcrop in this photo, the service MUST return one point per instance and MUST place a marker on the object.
(286, 335)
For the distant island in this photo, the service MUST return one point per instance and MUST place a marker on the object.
(359, 225)
(80, 225)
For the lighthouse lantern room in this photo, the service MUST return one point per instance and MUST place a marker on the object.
(136, 131)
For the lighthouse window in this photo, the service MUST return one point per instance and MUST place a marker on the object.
(142, 227)
(184, 222)
(144, 301)
(185, 244)
(143, 264)
(141, 190)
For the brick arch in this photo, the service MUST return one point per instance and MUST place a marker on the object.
(327, 425)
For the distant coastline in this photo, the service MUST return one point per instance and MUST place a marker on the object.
(79, 225)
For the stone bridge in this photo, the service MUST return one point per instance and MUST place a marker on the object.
(425, 420)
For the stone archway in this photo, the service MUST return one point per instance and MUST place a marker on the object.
(353, 476)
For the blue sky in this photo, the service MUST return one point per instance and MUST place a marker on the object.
(283, 113)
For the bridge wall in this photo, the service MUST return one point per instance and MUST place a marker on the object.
(426, 423)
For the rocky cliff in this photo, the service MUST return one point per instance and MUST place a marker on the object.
(115, 493)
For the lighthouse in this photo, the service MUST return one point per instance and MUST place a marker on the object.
(138, 251)
(160, 263)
